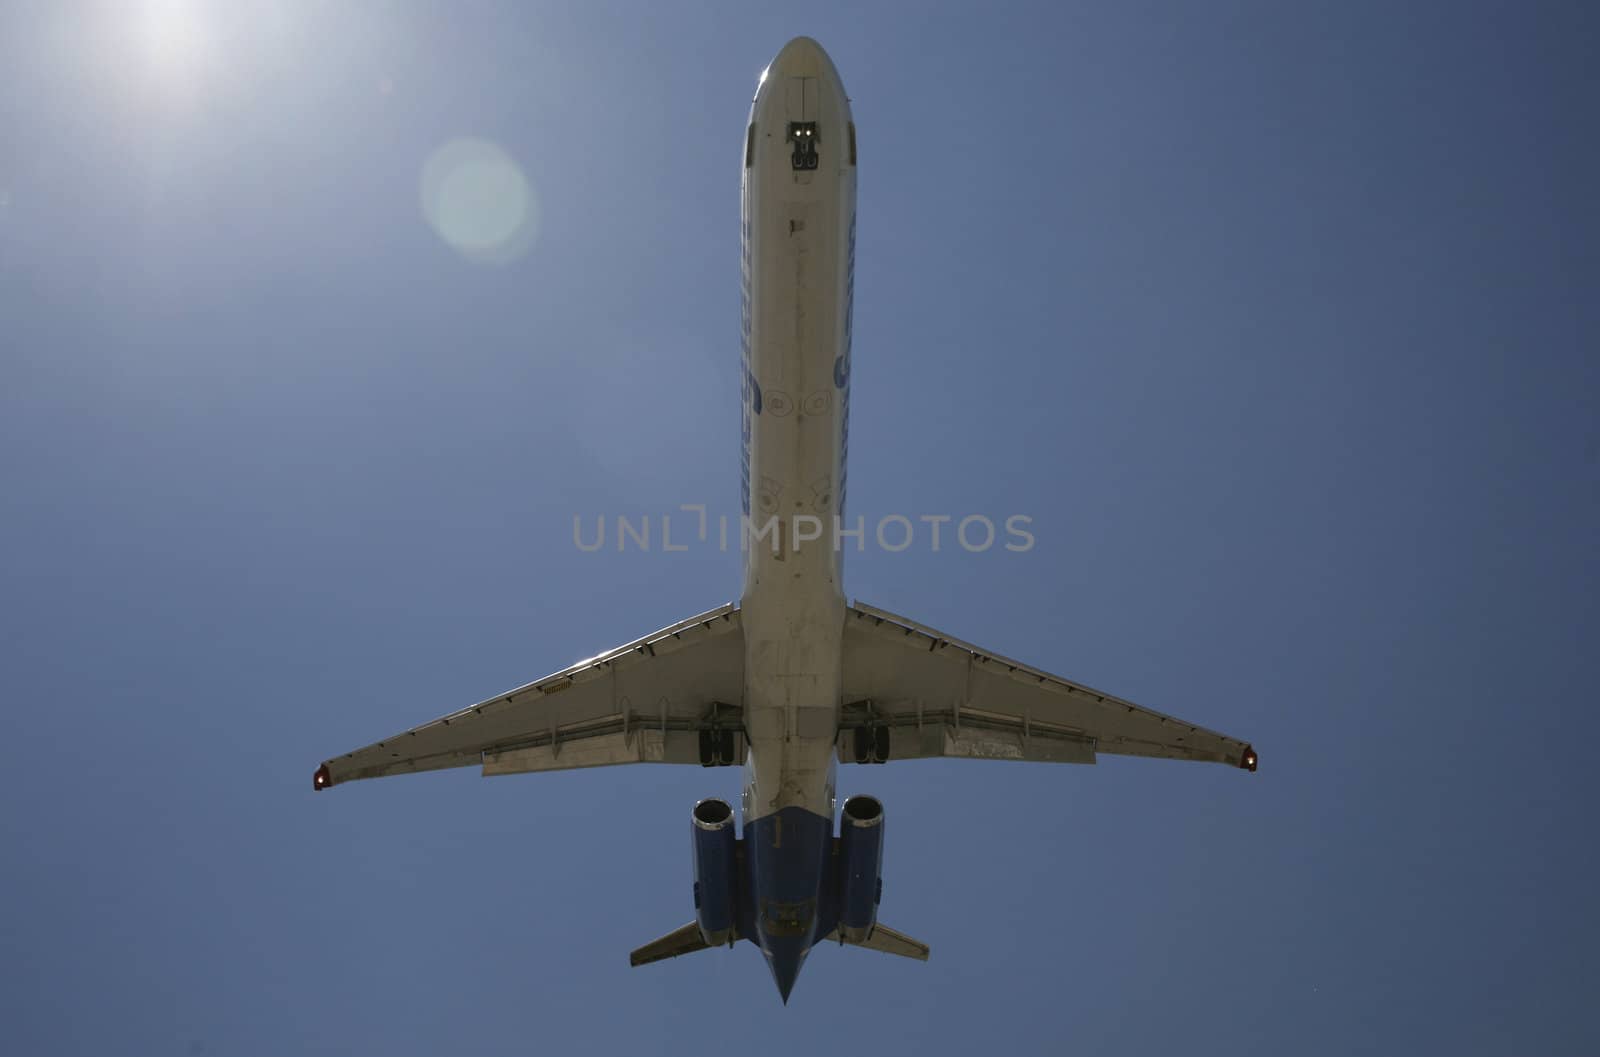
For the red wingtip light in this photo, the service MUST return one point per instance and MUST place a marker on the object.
(322, 779)
(1248, 760)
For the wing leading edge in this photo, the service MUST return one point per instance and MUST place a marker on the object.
(911, 691)
(669, 697)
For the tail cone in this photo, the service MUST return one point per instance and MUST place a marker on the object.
(785, 964)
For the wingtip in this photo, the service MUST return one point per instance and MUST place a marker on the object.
(322, 779)
(1247, 761)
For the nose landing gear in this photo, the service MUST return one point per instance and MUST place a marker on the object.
(871, 744)
(803, 134)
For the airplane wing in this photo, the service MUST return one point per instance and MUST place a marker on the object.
(670, 697)
(911, 692)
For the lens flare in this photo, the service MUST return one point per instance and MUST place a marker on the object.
(476, 198)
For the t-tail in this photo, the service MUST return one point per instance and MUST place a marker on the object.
(736, 888)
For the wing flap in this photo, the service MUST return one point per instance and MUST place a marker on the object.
(647, 744)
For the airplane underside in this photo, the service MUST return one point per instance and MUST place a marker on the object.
(793, 679)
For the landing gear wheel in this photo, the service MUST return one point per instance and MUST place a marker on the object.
(716, 748)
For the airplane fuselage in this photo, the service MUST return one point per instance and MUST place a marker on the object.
(797, 265)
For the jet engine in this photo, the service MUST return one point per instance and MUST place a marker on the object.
(715, 870)
(860, 866)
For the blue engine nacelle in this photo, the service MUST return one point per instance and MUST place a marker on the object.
(715, 870)
(860, 867)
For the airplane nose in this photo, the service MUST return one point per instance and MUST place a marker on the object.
(803, 57)
(800, 79)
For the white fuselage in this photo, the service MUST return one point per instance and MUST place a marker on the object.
(798, 236)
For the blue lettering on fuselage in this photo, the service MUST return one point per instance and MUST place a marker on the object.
(841, 367)
(749, 391)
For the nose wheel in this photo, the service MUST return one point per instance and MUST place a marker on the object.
(872, 744)
(803, 134)
(716, 748)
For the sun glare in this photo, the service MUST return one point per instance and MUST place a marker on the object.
(173, 35)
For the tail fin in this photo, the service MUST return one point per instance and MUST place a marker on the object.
(685, 940)
(889, 941)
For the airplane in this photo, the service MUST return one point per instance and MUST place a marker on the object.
(792, 679)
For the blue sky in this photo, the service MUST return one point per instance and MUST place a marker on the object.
(1279, 321)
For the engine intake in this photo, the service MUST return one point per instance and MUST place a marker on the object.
(861, 866)
(715, 868)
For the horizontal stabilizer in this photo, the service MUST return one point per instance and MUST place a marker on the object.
(685, 940)
(888, 941)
